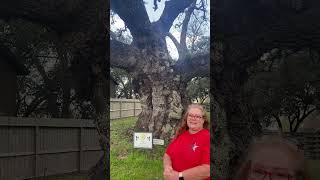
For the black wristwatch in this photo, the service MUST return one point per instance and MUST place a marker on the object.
(180, 176)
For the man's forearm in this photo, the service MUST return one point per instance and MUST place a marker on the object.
(197, 173)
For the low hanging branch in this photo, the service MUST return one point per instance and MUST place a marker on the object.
(300, 120)
(171, 11)
(184, 29)
(123, 55)
(135, 16)
(195, 66)
(175, 42)
(182, 45)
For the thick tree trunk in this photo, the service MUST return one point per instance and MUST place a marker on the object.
(242, 127)
(158, 87)
(52, 107)
(161, 109)
(184, 95)
(102, 168)
(221, 144)
(238, 124)
(64, 77)
(66, 101)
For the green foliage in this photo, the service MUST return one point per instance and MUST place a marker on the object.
(199, 45)
(30, 41)
(45, 91)
(125, 88)
(198, 89)
(285, 86)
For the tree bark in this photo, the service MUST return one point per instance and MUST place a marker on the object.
(160, 97)
(102, 168)
(276, 117)
(220, 141)
(240, 125)
(66, 100)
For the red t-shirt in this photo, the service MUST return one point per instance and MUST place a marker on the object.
(190, 150)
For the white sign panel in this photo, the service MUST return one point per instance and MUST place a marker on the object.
(142, 140)
(158, 141)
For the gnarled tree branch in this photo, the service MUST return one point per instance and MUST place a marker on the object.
(122, 55)
(134, 14)
(172, 9)
(194, 66)
(184, 29)
(175, 42)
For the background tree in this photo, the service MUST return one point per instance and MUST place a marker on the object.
(35, 45)
(81, 32)
(125, 88)
(285, 84)
(198, 90)
(47, 91)
(243, 31)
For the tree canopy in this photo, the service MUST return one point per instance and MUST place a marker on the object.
(285, 84)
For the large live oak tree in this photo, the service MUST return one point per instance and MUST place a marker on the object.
(243, 31)
(160, 81)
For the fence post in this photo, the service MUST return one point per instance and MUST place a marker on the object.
(120, 107)
(80, 148)
(36, 149)
(134, 108)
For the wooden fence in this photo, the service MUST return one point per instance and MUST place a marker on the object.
(121, 108)
(307, 141)
(33, 147)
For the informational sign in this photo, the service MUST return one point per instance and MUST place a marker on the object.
(142, 140)
(158, 141)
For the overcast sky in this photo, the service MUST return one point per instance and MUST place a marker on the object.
(154, 16)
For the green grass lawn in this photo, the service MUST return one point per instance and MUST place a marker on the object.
(127, 163)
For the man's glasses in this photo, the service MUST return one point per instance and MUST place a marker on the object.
(261, 174)
(194, 116)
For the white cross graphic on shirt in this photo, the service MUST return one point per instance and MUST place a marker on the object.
(194, 147)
